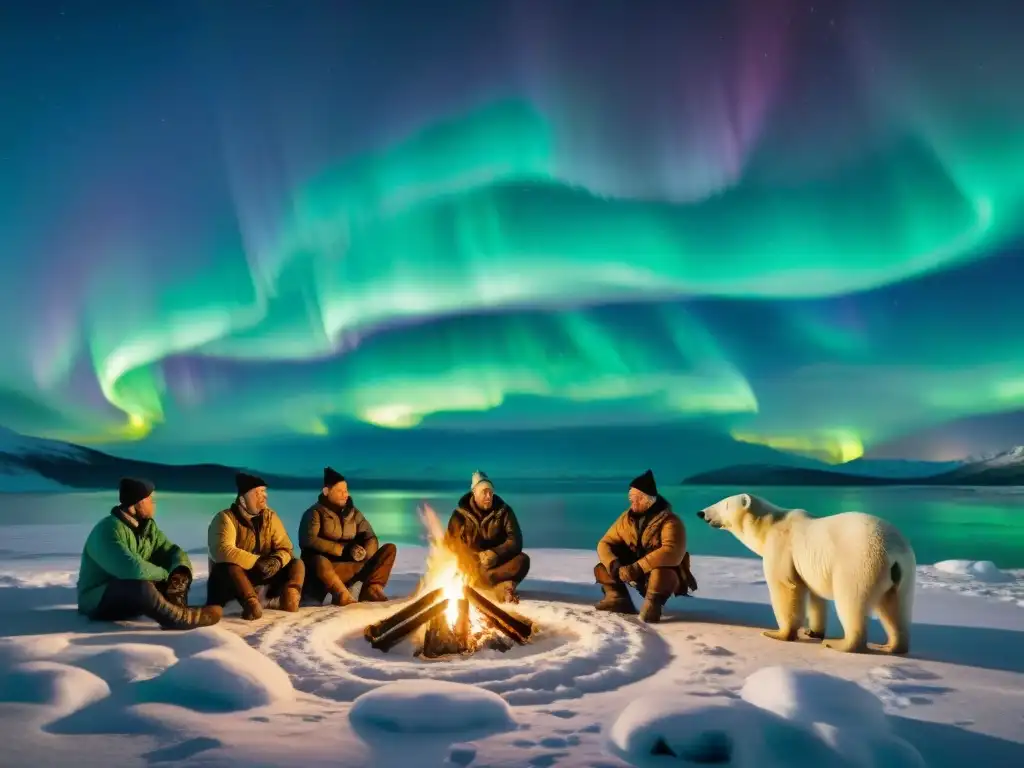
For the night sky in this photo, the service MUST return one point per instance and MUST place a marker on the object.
(389, 227)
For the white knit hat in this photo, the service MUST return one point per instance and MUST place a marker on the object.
(480, 477)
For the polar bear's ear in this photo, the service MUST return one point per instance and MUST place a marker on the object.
(745, 500)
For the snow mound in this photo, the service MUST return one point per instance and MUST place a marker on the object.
(812, 697)
(220, 680)
(130, 663)
(784, 718)
(575, 651)
(61, 687)
(981, 570)
(425, 706)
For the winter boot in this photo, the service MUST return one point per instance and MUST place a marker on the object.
(176, 617)
(291, 592)
(372, 593)
(616, 600)
(650, 611)
(506, 592)
(341, 596)
(251, 608)
(290, 597)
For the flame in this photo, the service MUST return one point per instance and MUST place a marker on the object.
(443, 571)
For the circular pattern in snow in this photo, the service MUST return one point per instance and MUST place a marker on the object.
(575, 651)
(426, 706)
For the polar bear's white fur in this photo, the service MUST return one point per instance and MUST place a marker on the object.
(859, 561)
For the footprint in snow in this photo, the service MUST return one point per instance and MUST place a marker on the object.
(719, 671)
(546, 761)
(565, 714)
(717, 651)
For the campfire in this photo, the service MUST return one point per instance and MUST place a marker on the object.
(459, 619)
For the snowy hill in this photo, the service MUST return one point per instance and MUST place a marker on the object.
(16, 457)
(898, 468)
(1003, 468)
(35, 465)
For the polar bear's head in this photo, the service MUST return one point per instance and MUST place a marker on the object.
(745, 516)
(729, 512)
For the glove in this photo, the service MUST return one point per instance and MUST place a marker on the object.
(179, 580)
(358, 553)
(268, 566)
(487, 558)
(178, 584)
(613, 569)
(631, 573)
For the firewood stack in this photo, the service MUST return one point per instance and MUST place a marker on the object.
(441, 639)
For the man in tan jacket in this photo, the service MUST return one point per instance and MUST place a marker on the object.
(645, 547)
(249, 548)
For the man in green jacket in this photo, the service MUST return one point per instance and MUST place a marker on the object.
(130, 568)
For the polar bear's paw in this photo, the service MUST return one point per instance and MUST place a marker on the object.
(778, 634)
(845, 646)
(900, 649)
(811, 634)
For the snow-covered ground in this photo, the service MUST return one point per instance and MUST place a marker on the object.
(592, 690)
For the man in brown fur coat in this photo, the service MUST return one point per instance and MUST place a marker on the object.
(645, 547)
(340, 548)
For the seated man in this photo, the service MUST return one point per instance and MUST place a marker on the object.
(130, 568)
(485, 527)
(645, 547)
(340, 548)
(250, 548)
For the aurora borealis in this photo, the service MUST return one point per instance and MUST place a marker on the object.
(798, 225)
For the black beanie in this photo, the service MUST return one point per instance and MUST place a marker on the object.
(645, 483)
(332, 477)
(245, 482)
(132, 490)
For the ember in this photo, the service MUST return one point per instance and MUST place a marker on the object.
(458, 618)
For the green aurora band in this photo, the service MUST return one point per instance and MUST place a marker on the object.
(364, 289)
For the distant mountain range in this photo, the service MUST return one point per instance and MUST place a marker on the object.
(29, 464)
(375, 458)
(1005, 468)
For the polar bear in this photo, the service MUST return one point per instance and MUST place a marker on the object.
(859, 561)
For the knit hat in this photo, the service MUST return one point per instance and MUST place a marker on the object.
(645, 483)
(245, 482)
(480, 477)
(132, 490)
(332, 477)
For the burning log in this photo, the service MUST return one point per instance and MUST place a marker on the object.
(375, 631)
(517, 628)
(442, 639)
(462, 625)
(395, 635)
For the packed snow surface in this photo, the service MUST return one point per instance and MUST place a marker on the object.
(592, 690)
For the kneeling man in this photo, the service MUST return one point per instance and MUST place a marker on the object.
(249, 548)
(485, 526)
(340, 548)
(645, 547)
(130, 568)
